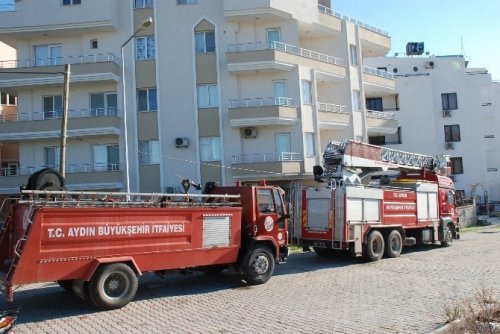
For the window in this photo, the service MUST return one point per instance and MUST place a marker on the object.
(7, 99)
(210, 148)
(451, 133)
(280, 210)
(449, 101)
(376, 140)
(280, 92)
(149, 152)
(207, 96)
(143, 3)
(265, 200)
(106, 157)
(52, 107)
(205, 41)
(71, 2)
(46, 55)
(145, 48)
(306, 92)
(147, 100)
(103, 104)
(283, 146)
(456, 166)
(94, 44)
(354, 55)
(187, 2)
(356, 100)
(52, 156)
(273, 37)
(8, 6)
(310, 147)
(374, 103)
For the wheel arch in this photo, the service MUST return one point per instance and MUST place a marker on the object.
(98, 262)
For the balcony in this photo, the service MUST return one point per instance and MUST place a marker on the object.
(378, 82)
(381, 122)
(333, 116)
(279, 57)
(262, 10)
(82, 122)
(78, 177)
(54, 19)
(267, 165)
(279, 111)
(376, 42)
(86, 68)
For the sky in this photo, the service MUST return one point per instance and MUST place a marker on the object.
(441, 24)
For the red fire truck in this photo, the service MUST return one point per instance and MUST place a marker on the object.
(349, 213)
(96, 244)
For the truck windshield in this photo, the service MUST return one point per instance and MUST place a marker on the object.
(265, 199)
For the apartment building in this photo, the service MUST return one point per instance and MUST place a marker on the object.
(212, 90)
(447, 108)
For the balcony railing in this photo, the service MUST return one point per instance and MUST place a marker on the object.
(378, 73)
(85, 59)
(347, 18)
(381, 115)
(335, 108)
(40, 116)
(266, 157)
(288, 48)
(264, 102)
(70, 169)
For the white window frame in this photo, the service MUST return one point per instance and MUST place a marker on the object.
(309, 144)
(53, 113)
(72, 2)
(143, 4)
(55, 151)
(148, 42)
(277, 143)
(103, 166)
(210, 149)
(271, 43)
(149, 101)
(106, 109)
(187, 2)
(353, 50)
(149, 152)
(356, 100)
(208, 96)
(49, 58)
(307, 92)
(203, 38)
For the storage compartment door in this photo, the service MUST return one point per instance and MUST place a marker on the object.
(318, 210)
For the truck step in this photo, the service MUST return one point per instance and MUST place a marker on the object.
(410, 241)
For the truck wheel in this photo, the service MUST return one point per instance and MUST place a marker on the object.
(112, 286)
(394, 244)
(258, 266)
(374, 247)
(448, 237)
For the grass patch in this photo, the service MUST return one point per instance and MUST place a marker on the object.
(475, 228)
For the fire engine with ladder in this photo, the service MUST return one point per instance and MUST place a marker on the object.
(96, 244)
(347, 213)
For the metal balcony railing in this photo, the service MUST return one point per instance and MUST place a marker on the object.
(381, 114)
(378, 73)
(70, 169)
(335, 108)
(288, 48)
(40, 116)
(85, 59)
(264, 102)
(347, 18)
(266, 157)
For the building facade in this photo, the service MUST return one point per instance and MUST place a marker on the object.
(213, 90)
(447, 108)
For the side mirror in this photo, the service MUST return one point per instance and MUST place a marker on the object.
(318, 173)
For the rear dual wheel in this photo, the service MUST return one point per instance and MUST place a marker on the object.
(394, 244)
(374, 247)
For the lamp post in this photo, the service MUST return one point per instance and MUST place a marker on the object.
(144, 24)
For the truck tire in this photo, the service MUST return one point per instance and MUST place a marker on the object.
(374, 247)
(258, 265)
(448, 237)
(394, 244)
(112, 286)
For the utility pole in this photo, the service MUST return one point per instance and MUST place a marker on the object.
(64, 122)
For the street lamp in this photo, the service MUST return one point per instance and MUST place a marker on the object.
(144, 24)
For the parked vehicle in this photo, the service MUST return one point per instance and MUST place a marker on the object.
(348, 213)
(96, 244)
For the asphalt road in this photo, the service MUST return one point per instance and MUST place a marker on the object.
(308, 294)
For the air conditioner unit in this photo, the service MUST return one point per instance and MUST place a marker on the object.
(447, 113)
(250, 132)
(181, 142)
(450, 146)
(429, 64)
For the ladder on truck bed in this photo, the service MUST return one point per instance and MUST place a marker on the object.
(122, 199)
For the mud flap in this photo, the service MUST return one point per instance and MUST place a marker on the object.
(358, 242)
